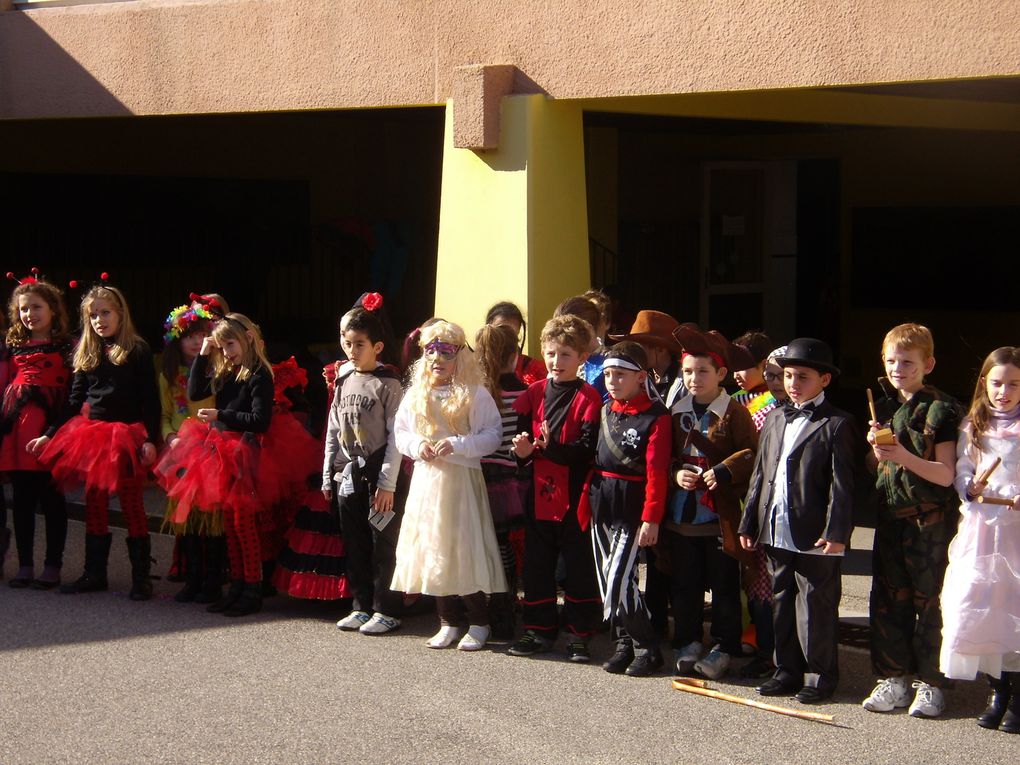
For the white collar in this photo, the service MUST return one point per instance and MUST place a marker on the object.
(816, 401)
(717, 407)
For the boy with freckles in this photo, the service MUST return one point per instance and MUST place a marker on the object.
(800, 506)
(916, 521)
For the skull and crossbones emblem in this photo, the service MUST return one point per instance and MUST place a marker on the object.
(630, 438)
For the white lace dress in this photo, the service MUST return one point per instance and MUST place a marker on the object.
(981, 591)
(447, 544)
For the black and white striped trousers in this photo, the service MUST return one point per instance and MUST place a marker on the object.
(616, 551)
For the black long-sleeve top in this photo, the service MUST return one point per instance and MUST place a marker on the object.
(117, 393)
(245, 405)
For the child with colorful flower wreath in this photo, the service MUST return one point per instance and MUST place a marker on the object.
(200, 548)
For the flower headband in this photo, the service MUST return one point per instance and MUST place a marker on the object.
(181, 319)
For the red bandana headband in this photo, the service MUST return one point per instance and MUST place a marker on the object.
(719, 361)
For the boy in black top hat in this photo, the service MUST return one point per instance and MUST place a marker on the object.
(800, 505)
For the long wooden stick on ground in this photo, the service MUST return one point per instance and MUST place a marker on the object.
(701, 688)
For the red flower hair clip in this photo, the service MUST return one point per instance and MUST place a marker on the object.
(372, 301)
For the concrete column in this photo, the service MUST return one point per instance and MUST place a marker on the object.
(513, 220)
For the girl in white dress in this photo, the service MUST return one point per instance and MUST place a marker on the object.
(981, 592)
(447, 546)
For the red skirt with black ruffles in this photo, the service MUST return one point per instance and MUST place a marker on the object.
(210, 469)
(99, 454)
(313, 563)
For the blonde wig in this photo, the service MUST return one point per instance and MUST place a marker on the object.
(467, 376)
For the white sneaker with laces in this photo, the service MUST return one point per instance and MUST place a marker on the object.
(686, 657)
(353, 621)
(714, 665)
(475, 638)
(890, 693)
(379, 624)
(445, 637)
(928, 701)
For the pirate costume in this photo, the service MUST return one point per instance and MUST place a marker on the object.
(552, 526)
(627, 488)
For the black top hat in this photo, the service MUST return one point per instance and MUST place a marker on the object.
(809, 352)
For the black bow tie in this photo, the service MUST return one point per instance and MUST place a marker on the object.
(792, 412)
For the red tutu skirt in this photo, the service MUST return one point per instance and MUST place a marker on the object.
(291, 458)
(210, 470)
(100, 455)
(313, 563)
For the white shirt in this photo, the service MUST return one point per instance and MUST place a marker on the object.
(778, 533)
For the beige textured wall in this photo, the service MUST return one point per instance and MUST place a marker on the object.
(194, 56)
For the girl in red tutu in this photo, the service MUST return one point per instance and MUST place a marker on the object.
(107, 435)
(215, 464)
(39, 351)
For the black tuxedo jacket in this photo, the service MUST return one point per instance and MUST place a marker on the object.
(820, 478)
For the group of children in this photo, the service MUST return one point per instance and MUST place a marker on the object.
(476, 473)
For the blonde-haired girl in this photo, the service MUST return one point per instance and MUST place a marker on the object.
(108, 444)
(213, 468)
(981, 591)
(447, 547)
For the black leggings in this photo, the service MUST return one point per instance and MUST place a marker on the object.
(34, 488)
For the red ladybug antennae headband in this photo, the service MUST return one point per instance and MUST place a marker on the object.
(32, 279)
(103, 278)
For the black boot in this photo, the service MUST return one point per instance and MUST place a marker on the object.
(97, 553)
(232, 596)
(501, 616)
(140, 555)
(190, 547)
(1011, 720)
(214, 550)
(268, 590)
(992, 717)
(250, 601)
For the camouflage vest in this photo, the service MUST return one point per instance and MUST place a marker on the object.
(915, 423)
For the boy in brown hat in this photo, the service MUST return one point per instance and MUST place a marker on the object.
(714, 442)
(653, 331)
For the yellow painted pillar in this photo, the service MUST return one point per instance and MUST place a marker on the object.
(513, 220)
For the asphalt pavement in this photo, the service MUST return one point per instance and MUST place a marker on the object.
(97, 678)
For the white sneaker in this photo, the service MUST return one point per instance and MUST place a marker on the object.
(714, 665)
(445, 637)
(686, 657)
(928, 701)
(890, 693)
(475, 638)
(353, 621)
(379, 624)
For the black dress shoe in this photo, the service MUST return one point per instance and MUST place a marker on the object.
(619, 661)
(811, 695)
(43, 584)
(19, 583)
(645, 664)
(776, 687)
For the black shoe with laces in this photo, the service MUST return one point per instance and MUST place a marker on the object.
(577, 652)
(646, 664)
(529, 644)
(619, 661)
